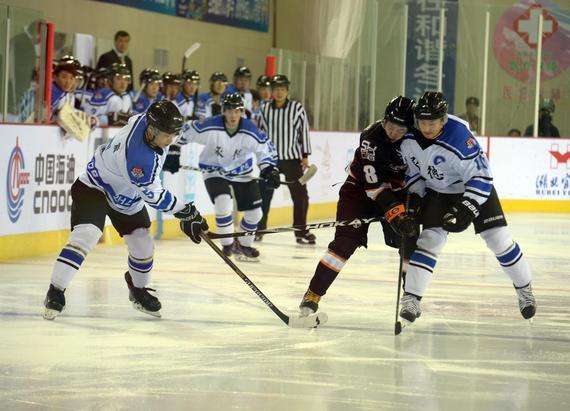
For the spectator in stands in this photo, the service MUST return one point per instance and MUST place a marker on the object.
(471, 107)
(118, 54)
(514, 132)
(545, 126)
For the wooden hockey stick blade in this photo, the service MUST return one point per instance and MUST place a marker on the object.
(191, 50)
(310, 173)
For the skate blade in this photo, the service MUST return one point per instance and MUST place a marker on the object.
(140, 308)
(50, 314)
(310, 321)
(245, 259)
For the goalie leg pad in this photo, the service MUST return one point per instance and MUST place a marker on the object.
(141, 251)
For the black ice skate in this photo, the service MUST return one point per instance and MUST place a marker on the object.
(527, 303)
(142, 300)
(307, 239)
(310, 303)
(228, 250)
(54, 302)
(410, 308)
(243, 253)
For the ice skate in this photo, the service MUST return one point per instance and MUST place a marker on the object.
(142, 300)
(247, 254)
(54, 303)
(307, 239)
(258, 237)
(228, 250)
(410, 308)
(527, 303)
(309, 304)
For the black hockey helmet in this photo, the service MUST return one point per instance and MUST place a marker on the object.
(400, 110)
(263, 81)
(242, 71)
(149, 75)
(190, 75)
(165, 116)
(233, 101)
(431, 105)
(67, 63)
(170, 78)
(218, 76)
(280, 80)
(119, 69)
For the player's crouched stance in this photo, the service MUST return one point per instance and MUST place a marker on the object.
(448, 168)
(373, 188)
(122, 175)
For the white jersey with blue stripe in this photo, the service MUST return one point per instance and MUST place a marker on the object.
(106, 101)
(233, 154)
(186, 105)
(453, 163)
(127, 169)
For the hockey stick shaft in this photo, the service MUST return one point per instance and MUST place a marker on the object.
(397, 322)
(356, 222)
(191, 50)
(303, 180)
(250, 284)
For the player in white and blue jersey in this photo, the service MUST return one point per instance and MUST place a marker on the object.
(150, 82)
(242, 82)
(231, 145)
(120, 179)
(448, 169)
(64, 84)
(210, 103)
(113, 106)
(188, 95)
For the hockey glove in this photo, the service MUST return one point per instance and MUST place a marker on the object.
(191, 222)
(460, 216)
(172, 160)
(401, 222)
(271, 176)
(415, 206)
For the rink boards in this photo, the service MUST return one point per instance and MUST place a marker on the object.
(37, 167)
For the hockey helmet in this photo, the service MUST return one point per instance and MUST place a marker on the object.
(170, 78)
(67, 63)
(263, 81)
(119, 69)
(431, 105)
(149, 75)
(242, 71)
(400, 110)
(280, 80)
(191, 75)
(233, 101)
(218, 76)
(165, 116)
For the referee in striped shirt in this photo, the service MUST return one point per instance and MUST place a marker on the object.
(285, 122)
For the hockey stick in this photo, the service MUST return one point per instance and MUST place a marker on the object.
(311, 321)
(139, 93)
(188, 53)
(398, 323)
(310, 173)
(356, 222)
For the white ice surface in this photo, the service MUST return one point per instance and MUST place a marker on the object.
(218, 347)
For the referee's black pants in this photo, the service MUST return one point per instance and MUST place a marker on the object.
(293, 171)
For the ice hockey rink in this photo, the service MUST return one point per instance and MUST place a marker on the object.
(218, 347)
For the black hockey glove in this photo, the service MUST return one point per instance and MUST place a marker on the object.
(415, 206)
(191, 222)
(172, 160)
(401, 222)
(271, 176)
(460, 216)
